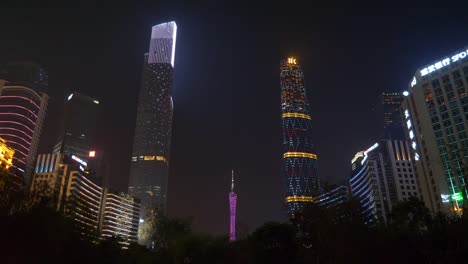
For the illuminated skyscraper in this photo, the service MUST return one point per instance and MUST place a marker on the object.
(78, 126)
(232, 211)
(333, 198)
(72, 192)
(435, 113)
(300, 162)
(120, 214)
(151, 145)
(393, 124)
(22, 113)
(382, 176)
(64, 184)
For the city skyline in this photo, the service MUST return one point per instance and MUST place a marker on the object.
(226, 91)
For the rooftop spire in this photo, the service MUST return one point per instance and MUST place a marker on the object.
(232, 181)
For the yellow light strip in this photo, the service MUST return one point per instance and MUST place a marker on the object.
(299, 155)
(295, 198)
(159, 158)
(299, 115)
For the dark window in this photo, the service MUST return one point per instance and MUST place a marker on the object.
(465, 70)
(456, 74)
(445, 79)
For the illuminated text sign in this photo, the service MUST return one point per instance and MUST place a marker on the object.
(411, 133)
(369, 150)
(82, 162)
(440, 64)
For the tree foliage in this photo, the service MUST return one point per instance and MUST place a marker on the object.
(38, 234)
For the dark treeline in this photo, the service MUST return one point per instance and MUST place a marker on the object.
(37, 234)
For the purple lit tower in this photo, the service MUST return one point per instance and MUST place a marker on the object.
(232, 210)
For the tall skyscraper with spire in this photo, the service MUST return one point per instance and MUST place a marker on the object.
(149, 167)
(299, 160)
(232, 210)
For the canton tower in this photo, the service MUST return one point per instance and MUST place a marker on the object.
(232, 210)
(149, 167)
(299, 160)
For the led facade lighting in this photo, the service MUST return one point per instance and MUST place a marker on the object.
(411, 133)
(82, 162)
(232, 210)
(162, 44)
(299, 160)
(369, 150)
(22, 115)
(443, 63)
(120, 216)
(437, 107)
(152, 139)
(381, 176)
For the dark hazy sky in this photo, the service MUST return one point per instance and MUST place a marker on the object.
(226, 87)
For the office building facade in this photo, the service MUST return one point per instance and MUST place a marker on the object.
(364, 186)
(382, 176)
(436, 123)
(393, 124)
(78, 126)
(120, 216)
(22, 115)
(65, 184)
(149, 166)
(299, 161)
(333, 198)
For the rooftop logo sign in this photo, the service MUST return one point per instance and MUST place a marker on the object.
(440, 64)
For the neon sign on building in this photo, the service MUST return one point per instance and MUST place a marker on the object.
(291, 60)
(367, 151)
(411, 134)
(445, 62)
(82, 162)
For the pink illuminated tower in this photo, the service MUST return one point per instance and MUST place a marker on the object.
(232, 210)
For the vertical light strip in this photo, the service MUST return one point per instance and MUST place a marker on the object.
(174, 36)
(397, 149)
(404, 150)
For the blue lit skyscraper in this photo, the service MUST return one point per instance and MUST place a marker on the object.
(300, 162)
(149, 167)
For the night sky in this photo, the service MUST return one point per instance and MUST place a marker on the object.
(226, 88)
